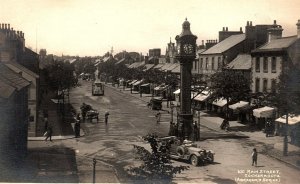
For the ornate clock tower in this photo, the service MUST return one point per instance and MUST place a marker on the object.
(186, 47)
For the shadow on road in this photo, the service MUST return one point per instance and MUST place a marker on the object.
(45, 165)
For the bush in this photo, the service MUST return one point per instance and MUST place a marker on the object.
(156, 166)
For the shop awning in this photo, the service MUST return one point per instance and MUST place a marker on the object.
(177, 91)
(132, 82)
(144, 85)
(137, 83)
(161, 88)
(239, 105)
(264, 112)
(292, 120)
(221, 102)
(202, 96)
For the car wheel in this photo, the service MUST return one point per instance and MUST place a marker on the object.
(194, 160)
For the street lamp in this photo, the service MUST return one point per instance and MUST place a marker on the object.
(186, 47)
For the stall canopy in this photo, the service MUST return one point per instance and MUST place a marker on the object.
(177, 92)
(202, 96)
(137, 83)
(221, 102)
(264, 112)
(291, 120)
(144, 85)
(132, 82)
(238, 106)
(161, 87)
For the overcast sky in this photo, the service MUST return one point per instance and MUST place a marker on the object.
(92, 27)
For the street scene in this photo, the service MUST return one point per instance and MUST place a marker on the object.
(160, 105)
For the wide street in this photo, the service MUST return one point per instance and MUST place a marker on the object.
(130, 119)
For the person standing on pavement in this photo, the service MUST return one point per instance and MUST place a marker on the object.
(49, 133)
(77, 126)
(106, 117)
(158, 115)
(254, 157)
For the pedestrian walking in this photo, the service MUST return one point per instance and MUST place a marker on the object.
(158, 115)
(196, 131)
(77, 126)
(46, 124)
(254, 157)
(106, 117)
(49, 133)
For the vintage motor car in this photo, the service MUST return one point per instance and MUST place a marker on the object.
(186, 150)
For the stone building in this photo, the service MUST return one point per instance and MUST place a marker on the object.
(269, 60)
(231, 44)
(14, 116)
(24, 62)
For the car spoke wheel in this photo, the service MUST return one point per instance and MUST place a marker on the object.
(194, 160)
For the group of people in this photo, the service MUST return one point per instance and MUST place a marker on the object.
(48, 129)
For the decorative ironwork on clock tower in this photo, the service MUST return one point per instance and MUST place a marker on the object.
(186, 47)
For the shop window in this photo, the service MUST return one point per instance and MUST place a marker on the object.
(273, 64)
(257, 64)
(265, 65)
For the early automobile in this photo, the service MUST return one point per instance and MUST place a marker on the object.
(97, 88)
(155, 103)
(88, 112)
(92, 114)
(186, 150)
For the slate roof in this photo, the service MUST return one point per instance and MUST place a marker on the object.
(277, 44)
(225, 44)
(19, 68)
(10, 81)
(241, 62)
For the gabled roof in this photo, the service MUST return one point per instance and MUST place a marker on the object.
(225, 44)
(277, 44)
(10, 81)
(19, 68)
(241, 62)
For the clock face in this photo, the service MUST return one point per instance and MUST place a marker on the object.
(188, 48)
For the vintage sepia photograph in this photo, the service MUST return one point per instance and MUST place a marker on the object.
(150, 91)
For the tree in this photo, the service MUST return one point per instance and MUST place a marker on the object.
(287, 97)
(156, 167)
(232, 86)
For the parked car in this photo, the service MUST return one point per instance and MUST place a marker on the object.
(186, 150)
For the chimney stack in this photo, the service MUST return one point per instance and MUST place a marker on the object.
(226, 28)
(223, 28)
(298, 29)
(247, 23)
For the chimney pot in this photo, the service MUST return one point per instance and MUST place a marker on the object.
(274, 22)
(5, 26)
(2, 26)
(8, 26)
(241, 29)
(202, 42)
(247, 23)
(250, 23)
(223, 28)
(298, 29)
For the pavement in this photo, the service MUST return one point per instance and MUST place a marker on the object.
(270, 146)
